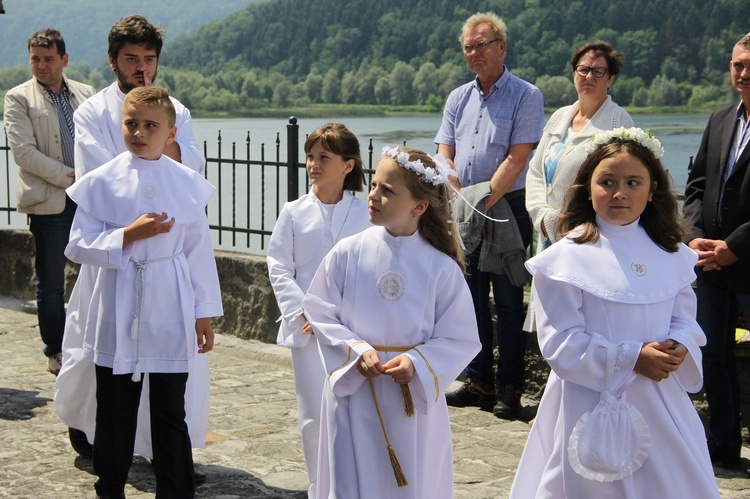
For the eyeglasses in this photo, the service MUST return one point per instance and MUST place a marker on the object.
(585, 70)
(479, 46)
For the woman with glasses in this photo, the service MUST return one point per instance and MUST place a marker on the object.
(562, 148)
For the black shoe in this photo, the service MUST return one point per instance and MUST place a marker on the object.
(725, 456)
(80, 443)
(508, 403)
(198, 476)
(111, 496)
(471, 394)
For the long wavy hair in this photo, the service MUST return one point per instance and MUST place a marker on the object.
(661, 219)
(436, 224)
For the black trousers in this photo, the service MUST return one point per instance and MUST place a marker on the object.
(117, 398)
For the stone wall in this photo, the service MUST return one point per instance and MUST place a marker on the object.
(250, 309)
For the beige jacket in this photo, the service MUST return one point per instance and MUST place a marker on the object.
(33, 129)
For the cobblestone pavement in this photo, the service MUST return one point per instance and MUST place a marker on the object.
(253, 448)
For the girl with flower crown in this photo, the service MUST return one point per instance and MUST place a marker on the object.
(615, 312)
(395, 324)
(304, 233)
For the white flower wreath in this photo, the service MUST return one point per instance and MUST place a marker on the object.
(622, 134)
(439, 175)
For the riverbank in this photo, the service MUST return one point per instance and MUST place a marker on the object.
(317, 111)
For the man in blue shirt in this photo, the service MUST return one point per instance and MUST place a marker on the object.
(490, 126)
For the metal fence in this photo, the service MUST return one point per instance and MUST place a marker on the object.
(251, 186)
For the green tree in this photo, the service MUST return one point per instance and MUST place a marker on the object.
(624, 88)
(558, 91)
(331, 90)
(664, 92)
(383, 90)
(348, 87)
(314, 83)
(425, 82)
(401, 78)
(282, 93)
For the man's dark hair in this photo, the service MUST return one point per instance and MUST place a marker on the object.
(47, 38)
(136, 30)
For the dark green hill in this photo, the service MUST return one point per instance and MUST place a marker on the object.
(405, 54)
(687, 40)
(85, 24)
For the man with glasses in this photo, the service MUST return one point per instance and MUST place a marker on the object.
(490, 126)
(717, 208)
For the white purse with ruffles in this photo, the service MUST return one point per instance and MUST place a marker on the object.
(612, 441)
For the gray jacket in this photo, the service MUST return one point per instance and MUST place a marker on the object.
(502, 249)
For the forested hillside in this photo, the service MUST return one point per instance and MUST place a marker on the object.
(293, 53)
(85, 24)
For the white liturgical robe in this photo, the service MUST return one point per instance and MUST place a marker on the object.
(179, 283)
(304, 233)
(596, 304)
(374, 289)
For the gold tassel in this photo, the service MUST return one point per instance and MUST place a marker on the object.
(397, 471)
(408, 401)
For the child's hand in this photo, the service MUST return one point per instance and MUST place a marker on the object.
(678, 350)
(307, 328)
(401, 368)
(205, 334)
(147, 225)
(368, 364)
(656, 362)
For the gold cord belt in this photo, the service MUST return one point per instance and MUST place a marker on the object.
(405, 392)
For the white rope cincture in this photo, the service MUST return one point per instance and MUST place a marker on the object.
(139, 292)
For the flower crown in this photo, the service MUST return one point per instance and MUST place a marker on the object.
(639, 136)
(435, 176)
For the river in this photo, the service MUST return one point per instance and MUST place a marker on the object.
(679, 133)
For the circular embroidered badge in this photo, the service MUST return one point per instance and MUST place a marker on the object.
(149, 191)
(638, 269)
(391, 286)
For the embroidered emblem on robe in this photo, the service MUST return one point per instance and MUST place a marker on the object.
(391, 286)
(638, 269)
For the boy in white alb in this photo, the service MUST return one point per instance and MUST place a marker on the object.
(149, 309)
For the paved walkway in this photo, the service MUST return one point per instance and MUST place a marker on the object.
(254, 449)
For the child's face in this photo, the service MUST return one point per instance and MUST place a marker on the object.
(620, 189)
(327, 170)
(391, 203)
(146, 130)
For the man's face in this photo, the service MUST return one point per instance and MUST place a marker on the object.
(739, 67)
(47, 65)
(487, 53)
(135, 66)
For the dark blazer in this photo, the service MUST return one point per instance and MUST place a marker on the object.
(702, 200)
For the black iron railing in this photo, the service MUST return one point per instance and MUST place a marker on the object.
(252, 184)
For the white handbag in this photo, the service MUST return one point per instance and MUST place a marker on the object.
(612, 441)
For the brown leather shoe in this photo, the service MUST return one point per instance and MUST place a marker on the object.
(471, 394)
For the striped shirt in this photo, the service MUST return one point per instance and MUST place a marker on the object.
(65, 117)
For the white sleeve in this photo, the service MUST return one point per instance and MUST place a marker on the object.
(577, 354)
(282, 271)
(93, 243)
(91, 150)
(189, 152)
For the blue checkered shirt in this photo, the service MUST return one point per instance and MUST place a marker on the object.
(482, 128)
